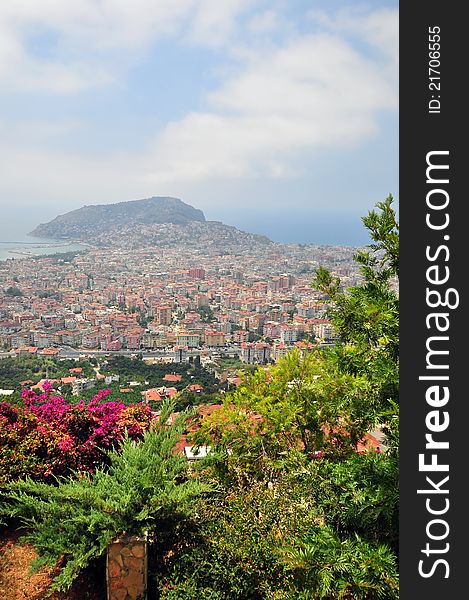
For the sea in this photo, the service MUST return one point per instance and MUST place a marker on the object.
(25, 246)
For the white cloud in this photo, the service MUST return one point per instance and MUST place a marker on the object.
(309, 94)
(31, 175)
(379, 28)
(315, 93)
(214, 22)
(95, 38)
(266, 22)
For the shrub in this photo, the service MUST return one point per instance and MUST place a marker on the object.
(48, 436)
(74, 521)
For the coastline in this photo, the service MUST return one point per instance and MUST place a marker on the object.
(32, 247)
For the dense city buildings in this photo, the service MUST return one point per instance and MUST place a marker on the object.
(175, 291)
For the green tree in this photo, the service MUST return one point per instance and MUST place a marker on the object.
(206, 314)
(340, 540)
(13, 291)
(328, 399)
(366, 316)
(303, 403)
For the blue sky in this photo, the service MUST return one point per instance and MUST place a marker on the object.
(278, 116)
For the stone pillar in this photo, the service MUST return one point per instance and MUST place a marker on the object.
(126, 568)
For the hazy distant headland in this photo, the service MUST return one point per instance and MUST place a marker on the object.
(160, 220)
(85, 222)
(155, 221)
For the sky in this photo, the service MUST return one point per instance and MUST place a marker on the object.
(279, 116)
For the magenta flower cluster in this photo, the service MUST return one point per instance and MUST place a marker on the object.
(49, 436)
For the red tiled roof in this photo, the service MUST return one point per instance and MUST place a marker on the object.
(40, 384)
(152, 395)
(172, 377)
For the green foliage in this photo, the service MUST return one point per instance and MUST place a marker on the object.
(143, 320)
(23, 368)
(318, 531)
(75, 520)
(138, 370)
(48, 294)
(228, 551)
(366, 316)
(13, 291)
(230, 362)
(349, 569)
(302, 403)
(188, 400)
(336, 533)
(356, 495)
(127, 398)
(206, 314)
(384, 230)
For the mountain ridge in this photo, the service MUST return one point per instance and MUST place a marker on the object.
(159, 220)
(83, 222)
